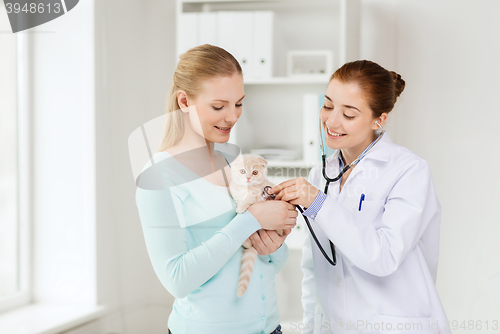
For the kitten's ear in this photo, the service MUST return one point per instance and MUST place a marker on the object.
(238, 159)
(238, 163)
(262, 161)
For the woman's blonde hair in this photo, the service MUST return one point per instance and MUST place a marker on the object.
(196, 65)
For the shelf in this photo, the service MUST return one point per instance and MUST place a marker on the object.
(290, 164)
(287, 3)
(305, 80)
(224, 1)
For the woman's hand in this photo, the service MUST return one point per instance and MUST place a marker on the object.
(274, 215)
(267, 242)
(295, 191)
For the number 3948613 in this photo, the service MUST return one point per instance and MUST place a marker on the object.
(33, 8)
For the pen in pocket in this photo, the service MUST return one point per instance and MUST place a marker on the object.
(361, 201)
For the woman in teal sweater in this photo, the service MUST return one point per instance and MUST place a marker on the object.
(193, 235)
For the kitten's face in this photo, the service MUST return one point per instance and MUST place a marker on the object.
(249, 169)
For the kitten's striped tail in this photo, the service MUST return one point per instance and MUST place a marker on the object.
(247, 263)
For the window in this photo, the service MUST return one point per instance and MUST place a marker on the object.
(13, 276)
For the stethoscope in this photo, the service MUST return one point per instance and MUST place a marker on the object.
(266, 195)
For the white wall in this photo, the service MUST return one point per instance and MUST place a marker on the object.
(102, 70)
(135, 58)
(8, 166)
(63, 157)
(448, 52)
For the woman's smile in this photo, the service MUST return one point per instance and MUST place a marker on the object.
(333, 134)
(223, 129)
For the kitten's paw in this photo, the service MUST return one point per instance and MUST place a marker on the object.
(241, 208)
(247, 244)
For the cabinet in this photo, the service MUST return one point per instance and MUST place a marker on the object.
(273, 109)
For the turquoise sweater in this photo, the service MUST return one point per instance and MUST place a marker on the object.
(194, 236)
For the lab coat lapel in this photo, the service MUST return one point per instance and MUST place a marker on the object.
(366, 173)
(381, 150)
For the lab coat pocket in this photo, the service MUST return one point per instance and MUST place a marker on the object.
(400, 325)
(368, 212)
(321, 325)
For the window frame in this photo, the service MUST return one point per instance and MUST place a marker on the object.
(24, 295)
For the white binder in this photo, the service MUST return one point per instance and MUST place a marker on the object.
(310, 124)
(248, 36)
(187, 36)
(226, 36)
(262, 44)
(245, 42)
(207, 28)
(235, 35)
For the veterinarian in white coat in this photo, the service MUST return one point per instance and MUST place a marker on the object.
(383, 218)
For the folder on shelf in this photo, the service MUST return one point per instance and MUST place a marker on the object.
(311, 132)
(207, 28)
(235, 35)
(226, 35)
(244, 46)
(247, 35)
(187, 36)
(262, 44)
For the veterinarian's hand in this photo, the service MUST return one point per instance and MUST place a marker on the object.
(274, 215)
(267, 242)
(296, 191)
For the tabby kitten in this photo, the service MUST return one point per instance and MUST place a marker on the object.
(249, 177)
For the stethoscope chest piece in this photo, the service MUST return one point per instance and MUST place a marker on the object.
(266, 195)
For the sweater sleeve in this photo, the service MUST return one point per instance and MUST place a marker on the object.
(182, 270)
(280, 257)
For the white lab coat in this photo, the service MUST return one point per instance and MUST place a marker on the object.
(387, 253)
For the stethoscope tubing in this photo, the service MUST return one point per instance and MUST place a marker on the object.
(333, 260)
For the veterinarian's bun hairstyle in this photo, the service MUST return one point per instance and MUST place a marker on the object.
(381, 88)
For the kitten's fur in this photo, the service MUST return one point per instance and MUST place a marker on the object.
(249, 177)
